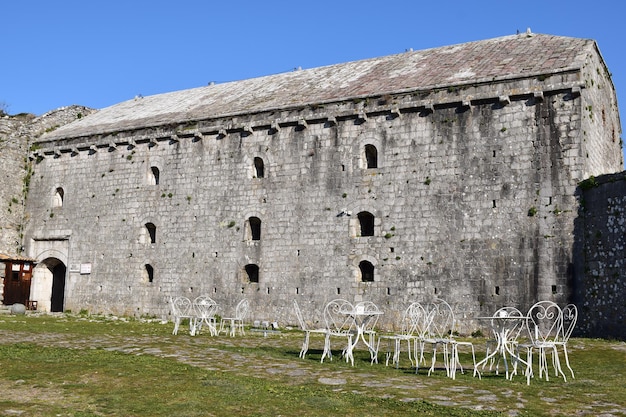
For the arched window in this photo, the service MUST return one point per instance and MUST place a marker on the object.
(259, 168)
(151, 229)
(154, 177)
(371, 156)
(366, 222)
(252, 273)
(57, 200)
(367, 271)
(149, 273)
(254, 228)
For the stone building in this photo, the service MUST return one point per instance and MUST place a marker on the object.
(448, 172)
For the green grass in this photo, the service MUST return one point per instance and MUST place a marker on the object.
(67, 365)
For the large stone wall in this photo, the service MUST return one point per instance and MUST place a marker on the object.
(474, 201)
(17, 133)
(601, 243)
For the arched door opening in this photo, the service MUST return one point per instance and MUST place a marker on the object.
(58, 288)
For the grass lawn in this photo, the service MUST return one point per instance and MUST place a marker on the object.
(79, 365)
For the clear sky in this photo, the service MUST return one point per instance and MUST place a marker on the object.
(99, 53)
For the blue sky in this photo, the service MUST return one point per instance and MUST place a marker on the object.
(99, 53)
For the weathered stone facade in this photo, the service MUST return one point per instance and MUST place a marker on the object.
(449, 172)
(600, 291)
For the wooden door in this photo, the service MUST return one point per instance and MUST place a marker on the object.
(17, 279)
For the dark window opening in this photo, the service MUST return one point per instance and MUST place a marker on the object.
(371, 156)
(366, 221)
(367, 271)
(497, 290)
(259, 168)
(255, 228)
(15, 276)
(58, 197)
(150, 272)
(151, 228)
(252, 272)
(554, 289)
(155, 175)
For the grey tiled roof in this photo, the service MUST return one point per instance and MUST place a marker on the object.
(493, 59)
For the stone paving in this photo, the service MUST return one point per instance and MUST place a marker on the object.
(221, 353)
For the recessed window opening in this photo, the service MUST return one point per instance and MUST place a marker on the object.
(338, 291)
(252, 272)
(151, 229)
(366, 222)
(371, 156)
(367, 271)
(259, 168)
(388, 291)
(494, 154)
(57, 201)
(149, 273)
(267, 290)
(497, 290)
(155, 175)
(297, 290)
(254, 224)
(554, 289)
(493, 202)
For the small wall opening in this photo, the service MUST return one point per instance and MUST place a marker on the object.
(151, 229)
(367, 271)
(259, 168)
(155, 175)
(371, 156)
(366, 223)
(149, 273)
(252, 273)
(254, 228)
(57, 200)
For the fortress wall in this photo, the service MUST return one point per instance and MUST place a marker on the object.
(601, 235)
(601, 127)
(475, 204)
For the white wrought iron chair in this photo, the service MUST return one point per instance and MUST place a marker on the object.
(306, 330)
(237, 321)
(544, 321)
(182, 309)
(205, 310)
(407, 334)
(441, 326)
(338, 325)
(569, 315)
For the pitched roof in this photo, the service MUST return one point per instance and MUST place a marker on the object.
(501, 58)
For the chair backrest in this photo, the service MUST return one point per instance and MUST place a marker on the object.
(336, 319)
(568, 322)
(301, 322)
(440, 319)
(544, 322)
(181, 306)
(512, 328)
(420, 319)
(242, 309)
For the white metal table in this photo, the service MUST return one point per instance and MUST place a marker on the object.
(363, 317)
(506, 328)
